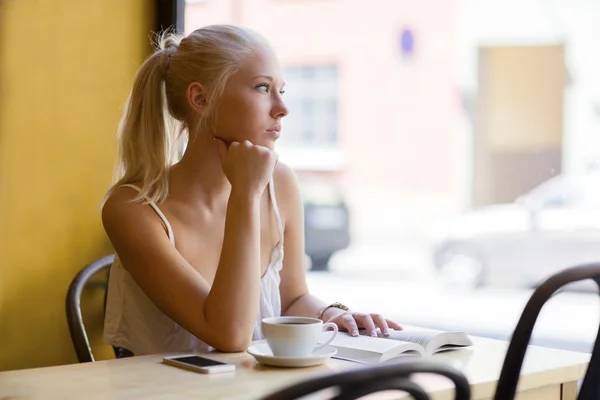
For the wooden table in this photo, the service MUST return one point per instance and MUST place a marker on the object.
(547, 374)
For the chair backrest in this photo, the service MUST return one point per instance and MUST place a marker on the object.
(511, 369)
(73, 307)
(357, 383)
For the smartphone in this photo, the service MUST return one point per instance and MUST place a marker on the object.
(193, 362)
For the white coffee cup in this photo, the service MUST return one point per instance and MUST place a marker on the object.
(295, 336)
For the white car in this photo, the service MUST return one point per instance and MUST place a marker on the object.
(553, 227)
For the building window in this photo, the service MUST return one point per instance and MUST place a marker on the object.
(312, 99)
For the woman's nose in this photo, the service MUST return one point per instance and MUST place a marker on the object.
(280, 110)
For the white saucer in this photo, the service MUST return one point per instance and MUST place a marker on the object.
(262, 353)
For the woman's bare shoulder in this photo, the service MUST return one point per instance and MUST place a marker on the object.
(120, 199)
(120, 210)
(286, 180)
(287, 189)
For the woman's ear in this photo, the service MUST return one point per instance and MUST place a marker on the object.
(196, 97)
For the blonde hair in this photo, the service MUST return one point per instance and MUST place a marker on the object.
(157, 118)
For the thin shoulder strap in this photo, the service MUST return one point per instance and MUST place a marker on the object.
(160, 213)
(276, 211)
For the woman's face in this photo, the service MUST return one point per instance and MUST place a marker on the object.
(251, 107)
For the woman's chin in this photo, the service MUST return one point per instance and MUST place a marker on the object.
(268, 143)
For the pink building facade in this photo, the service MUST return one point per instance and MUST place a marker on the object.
(400, 152)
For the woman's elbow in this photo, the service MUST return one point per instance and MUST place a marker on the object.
(227, 335)
(232, 344)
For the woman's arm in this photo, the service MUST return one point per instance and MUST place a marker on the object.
(224, 316)
(295, 297)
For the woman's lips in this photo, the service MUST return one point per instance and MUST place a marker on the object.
(275, 131)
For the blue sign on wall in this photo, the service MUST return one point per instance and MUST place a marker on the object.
(407, 43)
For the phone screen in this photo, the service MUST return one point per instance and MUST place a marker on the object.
(198, 361)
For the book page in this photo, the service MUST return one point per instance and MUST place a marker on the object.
(419, 336)
(448, 341)
(370, 350)
(375, 345)
(359, 356)
(432, 340)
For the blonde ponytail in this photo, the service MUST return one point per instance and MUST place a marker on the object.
(157, 117)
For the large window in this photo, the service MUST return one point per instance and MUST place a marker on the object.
(462, 138)
(312, 98)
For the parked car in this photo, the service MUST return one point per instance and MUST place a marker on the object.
(326, 221)
(554, 226)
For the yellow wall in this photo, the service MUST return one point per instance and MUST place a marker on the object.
(65, 70)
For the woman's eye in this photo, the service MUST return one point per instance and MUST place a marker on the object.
(263, 87)
(282, 92)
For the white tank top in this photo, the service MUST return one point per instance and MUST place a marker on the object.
(132, 321)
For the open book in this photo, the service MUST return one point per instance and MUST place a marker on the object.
(416, 342)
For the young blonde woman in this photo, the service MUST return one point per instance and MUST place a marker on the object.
(200, 238)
